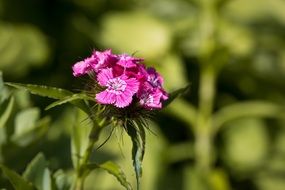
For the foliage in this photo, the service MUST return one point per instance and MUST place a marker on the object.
(226, 132)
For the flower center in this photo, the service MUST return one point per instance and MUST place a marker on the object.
(116, 86)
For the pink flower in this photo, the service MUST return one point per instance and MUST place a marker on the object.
(127, 61)
(103, 59)
(83, 67)
(123, 77)
(119, 91)
(150, 98)
(98, 60)
(154, 78)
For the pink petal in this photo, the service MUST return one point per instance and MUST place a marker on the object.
(103, 59)
(128, 61)
(132, 85)
(154, 77)
(105, 97)
(164, 95)
(150, 98)
(80, 68)
(123, 101)
(104, 75)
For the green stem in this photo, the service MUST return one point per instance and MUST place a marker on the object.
(82, 172)
(203, 130)
(203, 149)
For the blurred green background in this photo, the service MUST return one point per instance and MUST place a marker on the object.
(232, 52)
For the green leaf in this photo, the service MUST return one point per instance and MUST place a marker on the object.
(5, 110)
(173, 95)
(137, 133)
(4, 93)
(45, 91)
(26, 120)
(114, 170)
(80, 137)
(68, 99)
(247, 109)
(38, 173)
(28, 127)
(16, 180)
(50, 92)
(61, 180)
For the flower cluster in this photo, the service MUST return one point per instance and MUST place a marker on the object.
(125, 80)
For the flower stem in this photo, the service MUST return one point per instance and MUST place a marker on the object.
(203, 144)
(82, 171)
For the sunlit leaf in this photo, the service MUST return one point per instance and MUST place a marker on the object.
(114, 170)
(28, 127)
(38, 173)
(68, 99)
(50, 92)
(5, 110)
(18, 182)
(41, 90)
(26, 120)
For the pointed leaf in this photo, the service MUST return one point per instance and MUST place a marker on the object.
(114, 170)
(50, 92)
(46, 91)
(68, 99)
(38, 173)
(16, 180)
(173, 95)
(5, 110)
(137, 134)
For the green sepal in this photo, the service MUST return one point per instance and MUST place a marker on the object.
(137, 133)
(173, 95)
